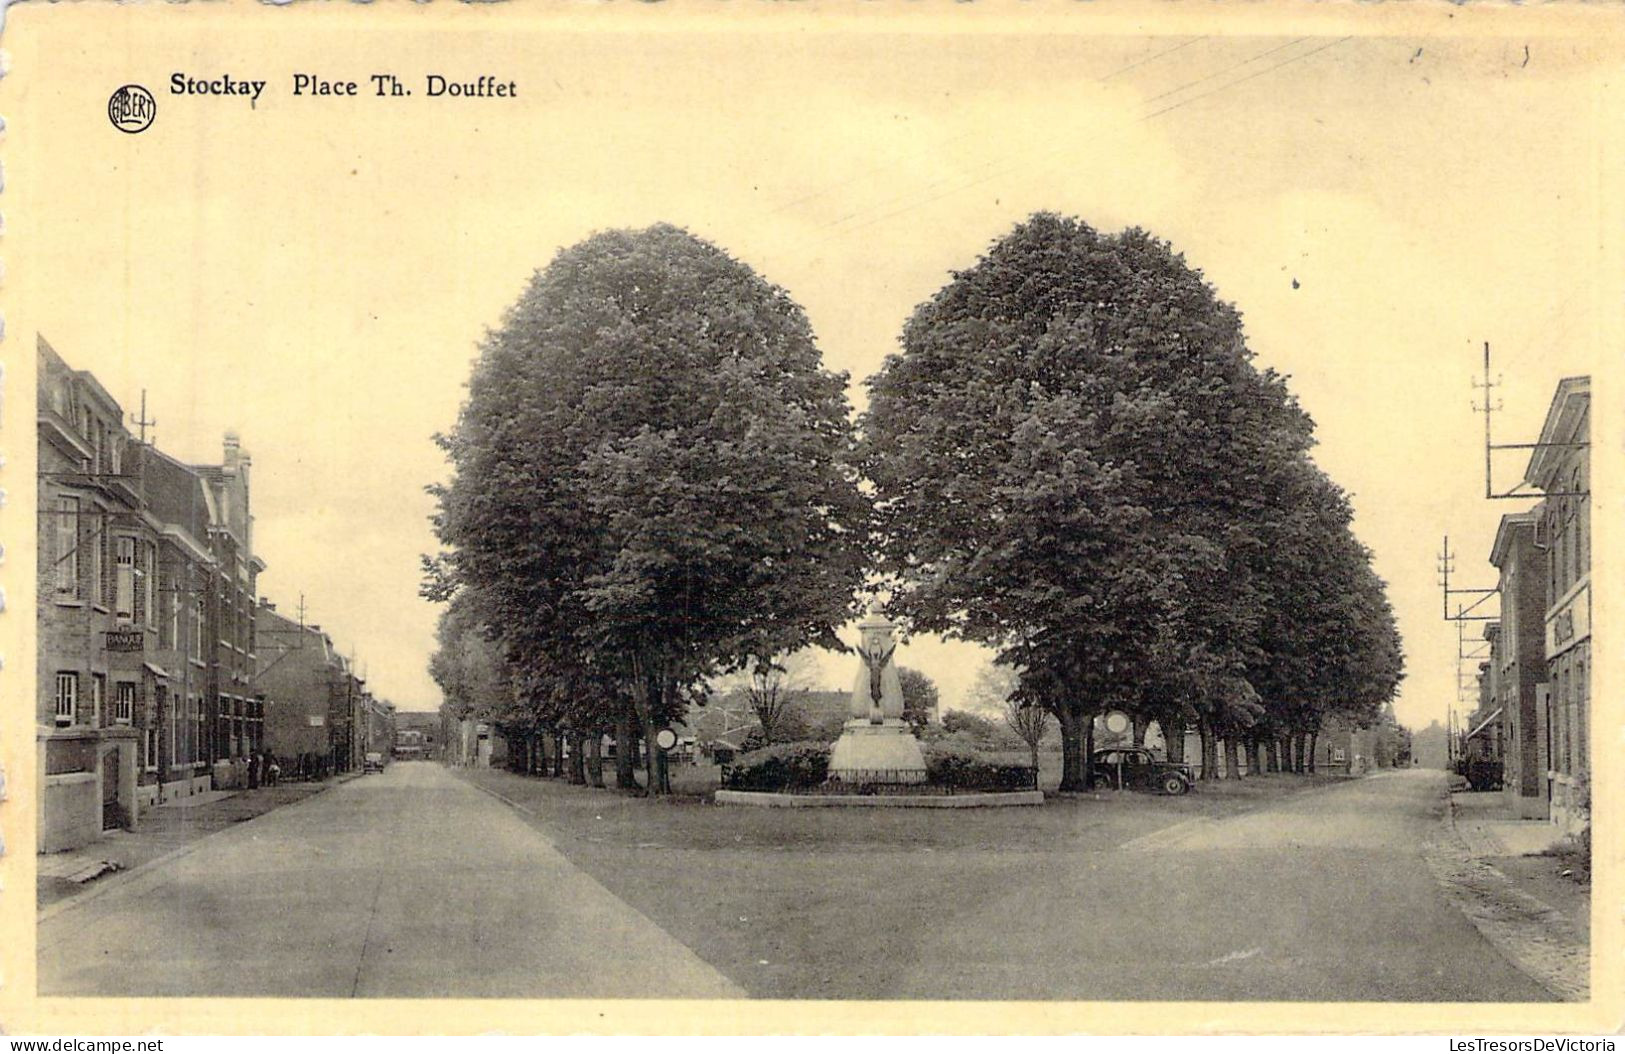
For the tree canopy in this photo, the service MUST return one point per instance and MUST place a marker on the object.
(1076, 462)
(654, 478)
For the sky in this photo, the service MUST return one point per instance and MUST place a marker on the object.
(316, 273)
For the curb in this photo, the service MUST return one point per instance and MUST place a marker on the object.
(1475, 902)
(503, 798)
(117, 880)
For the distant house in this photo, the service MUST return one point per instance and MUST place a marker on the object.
(727, 718)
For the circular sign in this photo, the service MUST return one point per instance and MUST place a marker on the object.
(1117, 721)
(665, 739)
(132, 108)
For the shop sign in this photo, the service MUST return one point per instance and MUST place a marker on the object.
(125, 640)
(1570, 623)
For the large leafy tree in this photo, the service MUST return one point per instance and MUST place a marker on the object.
(1070, 454)
(655, 478)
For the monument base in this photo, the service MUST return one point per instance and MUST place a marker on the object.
(871, 753)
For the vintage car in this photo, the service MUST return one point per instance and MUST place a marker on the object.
(373, 762)
(1136, 768)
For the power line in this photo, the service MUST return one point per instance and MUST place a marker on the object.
(1150, 58)
(1227, 69)
(1243, 80)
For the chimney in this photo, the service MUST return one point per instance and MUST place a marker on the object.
(265, 602)
(233, 453)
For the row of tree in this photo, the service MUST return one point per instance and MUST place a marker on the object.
(1071, 460)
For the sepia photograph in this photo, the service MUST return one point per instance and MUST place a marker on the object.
(1058, 512)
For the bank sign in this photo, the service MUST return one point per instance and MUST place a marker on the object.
(1569, 623)
(125, 640)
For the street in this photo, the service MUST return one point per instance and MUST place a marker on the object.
(414, 883)
(409, 883)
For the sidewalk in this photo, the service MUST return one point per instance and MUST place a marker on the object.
(1515, 881)
(1483, 821)
(1532, 854)
(164, 830)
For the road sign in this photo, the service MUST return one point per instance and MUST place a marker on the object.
(665, 739)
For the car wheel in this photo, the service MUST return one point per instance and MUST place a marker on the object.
(1173, 783)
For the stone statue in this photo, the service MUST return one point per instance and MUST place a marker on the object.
(876, 745)
(876, 662)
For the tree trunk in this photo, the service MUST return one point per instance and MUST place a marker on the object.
(558, 753)
(1299, 740)
(595, 759)
(1314, 741)
(1141, 724)
(1274, 747)
(1071, 748)
(578, 768)
(646, 711)
(1255, 762)
(1089, 752)
(624, 758)
(1210, 750)
(1232, 759)
(1173, 737)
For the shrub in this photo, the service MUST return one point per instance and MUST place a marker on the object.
(782, 766)
(960, 769)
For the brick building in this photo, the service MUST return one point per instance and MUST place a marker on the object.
(1518, 663)
(144, 640)
(1560, 468)
(310, 695)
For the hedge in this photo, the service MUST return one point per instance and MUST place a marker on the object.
(963, 770)
(782, 766)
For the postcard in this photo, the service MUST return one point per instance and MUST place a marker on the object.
(812, 518)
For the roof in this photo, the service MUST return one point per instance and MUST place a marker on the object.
(1511, 524)
(1563, 419)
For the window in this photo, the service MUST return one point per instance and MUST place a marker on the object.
(1582, 718)
(124, 708)
(67, 697)
(144, 613)
(124, 578)
(149, 750)
(98, 696)
(66, 552)
(164, 596)
(174, 725)
(1576, 526)
(92, 537)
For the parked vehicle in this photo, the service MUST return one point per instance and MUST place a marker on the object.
(373, 762)
(1136, 768)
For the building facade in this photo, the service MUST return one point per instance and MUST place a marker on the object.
(1518, 664)
(1561, 469)
(142, 647)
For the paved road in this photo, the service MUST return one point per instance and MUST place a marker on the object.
(414, 883)
(1325, 896)
(409, 883)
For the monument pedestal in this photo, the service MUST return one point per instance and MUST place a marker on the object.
(871, 753)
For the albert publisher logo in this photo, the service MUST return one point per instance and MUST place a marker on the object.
(131, 109)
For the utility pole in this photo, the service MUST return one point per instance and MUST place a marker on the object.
(1447, 564)
(1490, 406)
(142, 422)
